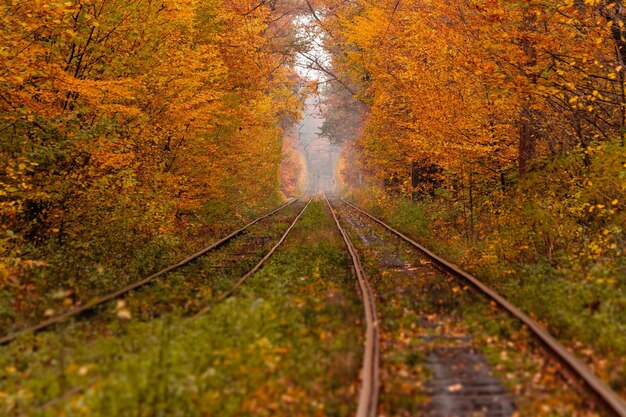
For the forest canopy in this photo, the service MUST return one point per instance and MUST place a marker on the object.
(135, 115)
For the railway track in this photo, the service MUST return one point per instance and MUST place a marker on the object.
(369, 391)
(370, 385)
(256, 267)
(75, 312)
(587, 382)
(226, 294)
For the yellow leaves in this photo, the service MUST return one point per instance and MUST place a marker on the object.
(122, 311)
(316, 273)
(182, 103)
(113, 159)
(455, 387)
(102, 96)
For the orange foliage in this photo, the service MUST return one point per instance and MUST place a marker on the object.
(483, 87)
(293, 165)
(137, 113)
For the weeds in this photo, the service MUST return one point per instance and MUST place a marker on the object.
(288, 343)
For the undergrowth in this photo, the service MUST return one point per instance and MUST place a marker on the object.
(553, 244)
(104, 258)
(288, 343)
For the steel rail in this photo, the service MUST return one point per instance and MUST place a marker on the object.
(370, 384)
(575, 367)
(258, 266)
(113, 295)
(78, 389)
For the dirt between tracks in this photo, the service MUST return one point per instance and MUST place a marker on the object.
(445, 350)
(463, 385)
(456, 379)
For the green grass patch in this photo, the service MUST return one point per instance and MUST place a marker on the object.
(288, 343)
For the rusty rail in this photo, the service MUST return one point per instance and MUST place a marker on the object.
(115, 294)
(79, 389)
(370, 384)
(241, 280)
(574, 366)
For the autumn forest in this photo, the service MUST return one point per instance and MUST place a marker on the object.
(313, 208)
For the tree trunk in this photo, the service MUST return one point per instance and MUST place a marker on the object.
(527, 138)
(528, 132)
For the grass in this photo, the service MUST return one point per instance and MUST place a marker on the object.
(552, 243)
(101, 259)
(288, 343)
(583, 312)
(420, 309)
